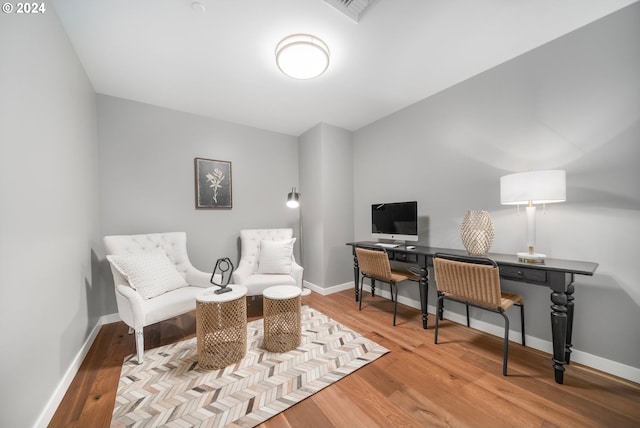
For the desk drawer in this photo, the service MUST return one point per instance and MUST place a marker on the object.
(523, 274)
(403, 257)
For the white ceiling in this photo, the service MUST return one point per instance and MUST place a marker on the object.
(221, 63)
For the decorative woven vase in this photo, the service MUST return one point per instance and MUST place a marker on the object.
(477, 232)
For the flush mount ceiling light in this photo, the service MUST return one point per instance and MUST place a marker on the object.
(198, 6)
(302, 56)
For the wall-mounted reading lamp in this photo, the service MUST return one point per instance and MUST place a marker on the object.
(293, 201)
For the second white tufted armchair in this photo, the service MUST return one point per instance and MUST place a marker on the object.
(251, 275)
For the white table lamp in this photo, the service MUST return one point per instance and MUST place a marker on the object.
(530, 188)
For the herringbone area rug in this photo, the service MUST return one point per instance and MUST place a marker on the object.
(169, 389)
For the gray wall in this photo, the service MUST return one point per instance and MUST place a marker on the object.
(337, 207)
(146, 157)
(49, 298)
(326, 183)
(572, 104)
(310, 144)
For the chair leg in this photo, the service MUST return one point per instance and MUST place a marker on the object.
(468, 323)
(522, 323)
(361, 295)
(395, 301)
(505, 350)
(139, 345)
(440, 303)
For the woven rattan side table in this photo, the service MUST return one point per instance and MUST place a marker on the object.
(221, 327)
(282, 327)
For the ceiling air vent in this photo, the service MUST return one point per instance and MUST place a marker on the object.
(354, 9)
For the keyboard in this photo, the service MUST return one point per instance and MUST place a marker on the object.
(385, 245)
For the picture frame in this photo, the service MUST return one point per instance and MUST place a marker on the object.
(213, 184)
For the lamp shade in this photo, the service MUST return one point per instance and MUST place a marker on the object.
(302, 56)
(537, 187)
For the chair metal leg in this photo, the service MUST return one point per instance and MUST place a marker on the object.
(468, 323)
(522, 323)
(395, 301)
(505, 350)
(440, 303)
(139, 345)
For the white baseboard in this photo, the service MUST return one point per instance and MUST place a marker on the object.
(109, 319)
(608, 366)
(612, 367)
(328, 290)
(52, 405)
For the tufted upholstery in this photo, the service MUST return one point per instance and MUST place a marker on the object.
(246, 273)
(137, 312)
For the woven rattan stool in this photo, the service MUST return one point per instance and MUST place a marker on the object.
(221, 327)
(282, 327)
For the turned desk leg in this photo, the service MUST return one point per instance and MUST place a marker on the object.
(356, 277)
(424, 298)
(559, 325)
(424, 292)
(570, 298)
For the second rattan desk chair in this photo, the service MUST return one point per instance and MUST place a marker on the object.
(475, 281)
(374, 264)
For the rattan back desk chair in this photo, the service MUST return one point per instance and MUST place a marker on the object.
(374, 264)
(475, 281)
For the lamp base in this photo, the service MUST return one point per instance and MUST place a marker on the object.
(535, 258)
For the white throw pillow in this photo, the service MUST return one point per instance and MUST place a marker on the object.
(276, 257)
(150, 273)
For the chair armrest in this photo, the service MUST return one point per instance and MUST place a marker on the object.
(297, 272)
(199, 278)
(241, 274)
(130, 306)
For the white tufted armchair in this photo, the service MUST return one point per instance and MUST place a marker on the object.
(249, 272)
(138, 310)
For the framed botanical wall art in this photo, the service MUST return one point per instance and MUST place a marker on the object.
(213, 183)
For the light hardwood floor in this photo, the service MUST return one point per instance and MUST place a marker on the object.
(457, 383)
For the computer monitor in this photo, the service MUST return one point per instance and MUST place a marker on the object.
(396, 220)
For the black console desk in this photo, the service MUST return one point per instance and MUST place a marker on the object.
(556, 274)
